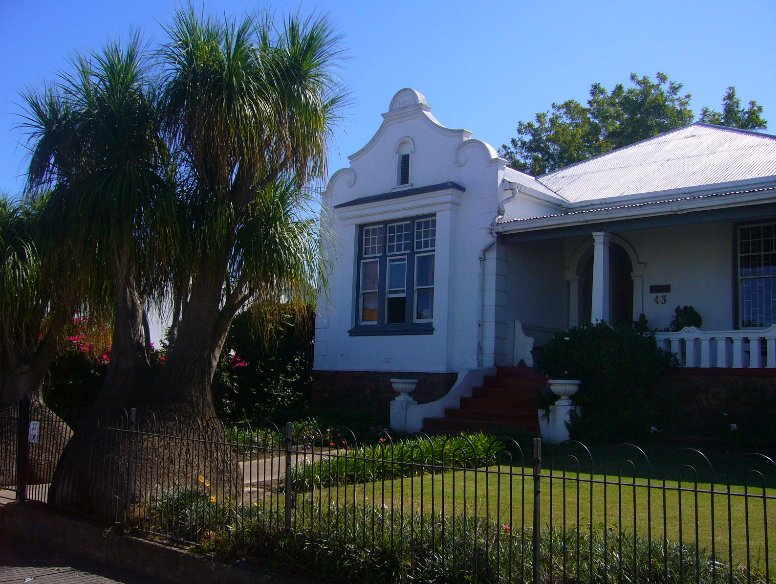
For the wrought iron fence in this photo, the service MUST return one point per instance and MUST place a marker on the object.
(467, 508)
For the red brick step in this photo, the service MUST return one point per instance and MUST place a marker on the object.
(507, 402)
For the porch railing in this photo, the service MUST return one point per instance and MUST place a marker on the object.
(744, 349)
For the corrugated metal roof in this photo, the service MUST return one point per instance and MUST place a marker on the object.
(640, 204)
(696, 155)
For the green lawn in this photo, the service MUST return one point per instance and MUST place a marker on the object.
(504, 497)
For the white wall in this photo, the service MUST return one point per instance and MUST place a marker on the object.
(697, 261)
(463, 221)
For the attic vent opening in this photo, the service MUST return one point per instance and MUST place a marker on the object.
(404, 169)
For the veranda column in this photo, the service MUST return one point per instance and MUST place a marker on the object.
(600, 307)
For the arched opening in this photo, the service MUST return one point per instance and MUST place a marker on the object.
(620, 285)
(621, 282)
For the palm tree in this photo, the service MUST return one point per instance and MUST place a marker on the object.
(248, 109)
(96, 146)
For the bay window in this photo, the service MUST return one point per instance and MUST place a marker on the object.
(395, 283)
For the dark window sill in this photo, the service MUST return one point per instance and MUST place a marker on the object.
(390, 330)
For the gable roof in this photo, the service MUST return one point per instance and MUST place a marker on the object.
(692, 156)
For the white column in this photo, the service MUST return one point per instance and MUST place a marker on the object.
(573, 301)
(600, 308)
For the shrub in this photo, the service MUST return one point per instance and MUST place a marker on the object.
(403, 459)
(620, 370)
(264, 368)
(78, 370)
(192, 514)
(685, 316)
(348, 544)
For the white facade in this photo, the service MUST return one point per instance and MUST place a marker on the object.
(543, 251)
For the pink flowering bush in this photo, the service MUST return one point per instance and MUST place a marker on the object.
(257, 378)
(78, 371)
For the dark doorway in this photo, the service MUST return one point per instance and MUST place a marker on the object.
(620, 286)
(621, 281)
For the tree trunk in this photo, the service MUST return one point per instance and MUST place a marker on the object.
(23, 377)
(26, 370)
(130, 366)
(74, 484)
(176, 414)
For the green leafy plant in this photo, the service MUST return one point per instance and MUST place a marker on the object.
(329, 543)
(685, 316)
(620, 370)
(387, 460)
(261, 373)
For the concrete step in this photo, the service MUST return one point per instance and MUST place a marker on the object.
(507, 402)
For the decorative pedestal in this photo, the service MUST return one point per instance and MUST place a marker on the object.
(400, 404)
(553, 424)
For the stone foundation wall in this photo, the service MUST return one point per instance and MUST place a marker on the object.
(371, 391)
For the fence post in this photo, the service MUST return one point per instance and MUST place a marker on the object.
(130, 465)
(22, 450)
(289, 494)
(537, 475)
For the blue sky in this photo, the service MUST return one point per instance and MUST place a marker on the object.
(482, 65)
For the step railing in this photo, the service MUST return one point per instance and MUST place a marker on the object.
(742, 349)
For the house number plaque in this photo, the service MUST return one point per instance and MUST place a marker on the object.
(660, 293)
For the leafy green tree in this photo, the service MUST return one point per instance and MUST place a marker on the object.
(35, 304)
(571, 132)
(735, 116)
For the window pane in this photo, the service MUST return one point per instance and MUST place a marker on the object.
(399, 237)
(404, 169)
(424, 273)
(397, 275)
(424, 307)
(425, 234)
(373, 240)
(370, 275)
(757, 275)
(396, 309)
(369, 307)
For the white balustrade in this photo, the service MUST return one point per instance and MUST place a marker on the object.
(742, 349)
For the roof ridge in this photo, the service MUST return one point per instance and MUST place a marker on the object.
(736, 130)
(656, 136)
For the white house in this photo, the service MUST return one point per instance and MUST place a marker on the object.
(444, 259)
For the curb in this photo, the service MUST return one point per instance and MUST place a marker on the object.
(35, 524)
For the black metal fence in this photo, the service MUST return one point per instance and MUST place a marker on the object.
(469, 508)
